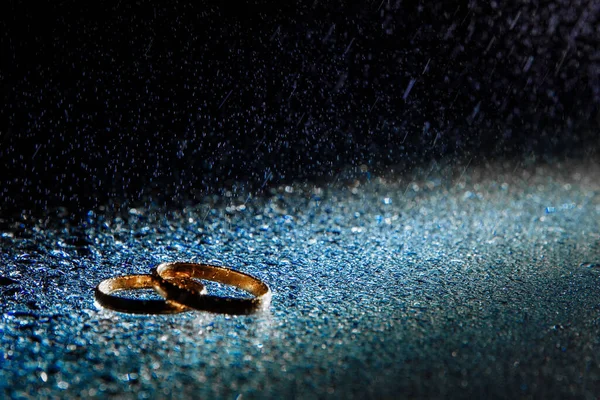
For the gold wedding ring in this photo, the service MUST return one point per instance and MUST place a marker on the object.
(106, 299)
(177, 283)
(179, 290)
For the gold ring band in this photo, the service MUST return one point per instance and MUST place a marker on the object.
(180, 292)
(106, 299)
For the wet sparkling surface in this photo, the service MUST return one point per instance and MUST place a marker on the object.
(458, 281)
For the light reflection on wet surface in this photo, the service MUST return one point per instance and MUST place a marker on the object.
(457, 282)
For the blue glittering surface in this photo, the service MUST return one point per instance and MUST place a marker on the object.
(456, 281)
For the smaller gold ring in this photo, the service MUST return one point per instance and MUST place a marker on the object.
(106, 299)
(180, 292)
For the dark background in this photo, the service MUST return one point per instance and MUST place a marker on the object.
(139, 101)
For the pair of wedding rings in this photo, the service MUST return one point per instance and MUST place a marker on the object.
(178, 283)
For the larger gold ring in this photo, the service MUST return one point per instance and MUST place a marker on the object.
(180, 292)
(106, 299)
